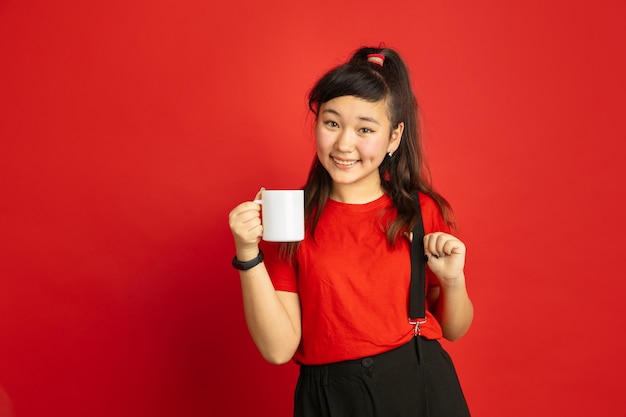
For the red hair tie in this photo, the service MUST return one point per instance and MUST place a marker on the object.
(376, 59)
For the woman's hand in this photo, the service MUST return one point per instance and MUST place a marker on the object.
(245, 225)
(446, 257)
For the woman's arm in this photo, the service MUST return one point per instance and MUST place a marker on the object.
(450, 301)
(273, 317)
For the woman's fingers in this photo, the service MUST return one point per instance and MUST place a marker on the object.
(442, 244)
(259, 194)
(446, 256)
(245, 223)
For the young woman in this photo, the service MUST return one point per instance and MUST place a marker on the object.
(337, 302)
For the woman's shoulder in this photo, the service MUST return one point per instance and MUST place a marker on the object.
(427, 202)
(432, 215)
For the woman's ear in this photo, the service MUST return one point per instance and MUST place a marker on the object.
(396, 138)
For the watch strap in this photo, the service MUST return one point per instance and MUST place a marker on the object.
(244, 266)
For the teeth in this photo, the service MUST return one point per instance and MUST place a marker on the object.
(345, 163)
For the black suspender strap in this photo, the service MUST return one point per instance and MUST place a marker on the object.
(417, 289)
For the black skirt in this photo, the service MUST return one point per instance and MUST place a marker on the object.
(414, 380)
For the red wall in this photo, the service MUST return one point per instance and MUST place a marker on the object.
(130, 129)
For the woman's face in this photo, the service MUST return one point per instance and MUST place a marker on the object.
(353, 136)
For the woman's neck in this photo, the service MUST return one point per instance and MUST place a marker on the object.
(350, 194)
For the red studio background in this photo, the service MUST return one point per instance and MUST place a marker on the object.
(129, 130)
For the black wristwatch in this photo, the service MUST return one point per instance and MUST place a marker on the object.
(244, 266)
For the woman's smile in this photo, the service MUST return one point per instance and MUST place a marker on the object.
(344, 163)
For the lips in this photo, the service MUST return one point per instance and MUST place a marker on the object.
(345, 163)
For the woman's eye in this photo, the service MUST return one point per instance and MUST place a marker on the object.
(330, 123)
(365, 130)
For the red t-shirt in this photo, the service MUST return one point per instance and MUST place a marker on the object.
(353, 286)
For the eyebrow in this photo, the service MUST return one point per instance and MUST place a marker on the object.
(364, 118)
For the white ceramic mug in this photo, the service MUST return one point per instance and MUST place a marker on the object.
(282, 215)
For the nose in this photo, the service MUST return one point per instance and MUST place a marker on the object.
(345, 141)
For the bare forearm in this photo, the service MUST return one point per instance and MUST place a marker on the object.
(454, 310)
(273, 319)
